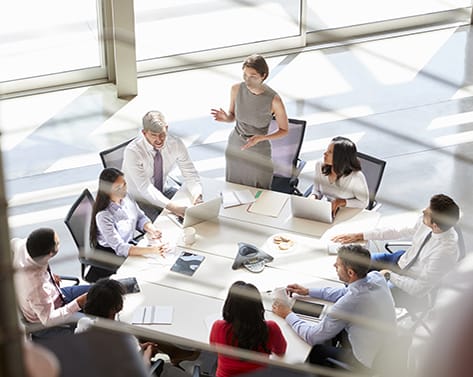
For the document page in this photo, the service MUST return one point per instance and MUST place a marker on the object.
(268, 203)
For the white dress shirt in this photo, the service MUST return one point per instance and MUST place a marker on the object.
(138, 167)
(366, 300)
(38, 297)
(353, 188)
(437, 258)
(117, 223)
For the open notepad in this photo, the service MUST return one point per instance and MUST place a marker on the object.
(236, 198)
(153, 315)
(268, 203)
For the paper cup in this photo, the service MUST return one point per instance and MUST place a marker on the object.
(188, 235)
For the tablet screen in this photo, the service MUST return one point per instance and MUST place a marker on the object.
(310, 309)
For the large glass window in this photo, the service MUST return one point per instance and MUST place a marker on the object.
(46, 37)
(166, 28)
(330, 14)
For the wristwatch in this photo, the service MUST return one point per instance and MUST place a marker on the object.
(387, 276)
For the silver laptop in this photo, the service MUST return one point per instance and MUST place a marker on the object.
(312, 209)
(198, 213)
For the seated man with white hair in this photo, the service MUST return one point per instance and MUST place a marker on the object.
(147, 162)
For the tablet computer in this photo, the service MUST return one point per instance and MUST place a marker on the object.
(187, 263)
(310, 309)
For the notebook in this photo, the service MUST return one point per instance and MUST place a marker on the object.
(153, 315)
(312, 209)
(198, 213)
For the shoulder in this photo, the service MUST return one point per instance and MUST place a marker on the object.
(272, 326)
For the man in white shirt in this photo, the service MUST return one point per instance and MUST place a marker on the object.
(147, 162)
(363, 311)
(433, 253)
(40, 298)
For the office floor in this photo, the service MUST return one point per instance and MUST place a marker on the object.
(408, 100)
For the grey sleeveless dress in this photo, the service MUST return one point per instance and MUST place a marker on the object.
(253, 166)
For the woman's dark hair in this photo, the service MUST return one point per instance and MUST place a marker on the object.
(258, 63)
(244, 310)
(344, 159)
(107, 177)
(105, 297)
(40, 242)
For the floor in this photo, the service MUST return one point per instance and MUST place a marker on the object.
(408, 100)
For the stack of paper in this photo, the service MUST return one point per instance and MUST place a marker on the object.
(236, 198)
(153, 315)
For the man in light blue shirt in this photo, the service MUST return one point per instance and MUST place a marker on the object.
(363, 310)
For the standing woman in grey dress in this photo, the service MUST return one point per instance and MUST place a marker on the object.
(252, 105)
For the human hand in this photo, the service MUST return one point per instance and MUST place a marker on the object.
(337, 204)
(348, 238)
(252, 141)
(219, 115)
(151, 232)
(198, 200)
(147, 349)
(176, 209)
(296, 288)
(81, 300)
(280, 308)
(314, 196)
(57, 279)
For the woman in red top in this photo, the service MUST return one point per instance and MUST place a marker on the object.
(244, 326)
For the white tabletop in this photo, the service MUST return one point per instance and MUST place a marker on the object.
(193, 316)
(307, 262)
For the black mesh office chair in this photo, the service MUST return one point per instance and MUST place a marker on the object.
(285, 156)
(373, 170)
(78, 223)
(113, 157)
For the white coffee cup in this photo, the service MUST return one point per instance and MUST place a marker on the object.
(188, 235)
(281, 295)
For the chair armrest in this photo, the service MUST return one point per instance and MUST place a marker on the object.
(308, 190)
(70, 278)
(300, 165)
(196, 371)
(397, 244)
(156, 368)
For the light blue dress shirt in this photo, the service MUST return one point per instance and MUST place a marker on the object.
(365, 309)
(117, 223)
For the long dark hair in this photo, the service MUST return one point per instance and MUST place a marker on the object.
(107, 177)
(344, 158)
(244, 310)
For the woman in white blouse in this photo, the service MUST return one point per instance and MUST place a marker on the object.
(338, 177)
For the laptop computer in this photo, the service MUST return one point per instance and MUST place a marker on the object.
(198, 213)
(312, 209)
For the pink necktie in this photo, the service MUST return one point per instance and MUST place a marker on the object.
(158, 170)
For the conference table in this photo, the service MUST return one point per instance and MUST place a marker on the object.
(197, 300)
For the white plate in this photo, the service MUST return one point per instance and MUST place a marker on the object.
(275, 248)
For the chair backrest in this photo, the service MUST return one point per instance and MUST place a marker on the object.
(373, 169)
(113, 157)
(79, 217)
(285, 150)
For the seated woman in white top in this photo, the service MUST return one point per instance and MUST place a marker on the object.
(115, 217)
(338, 177)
